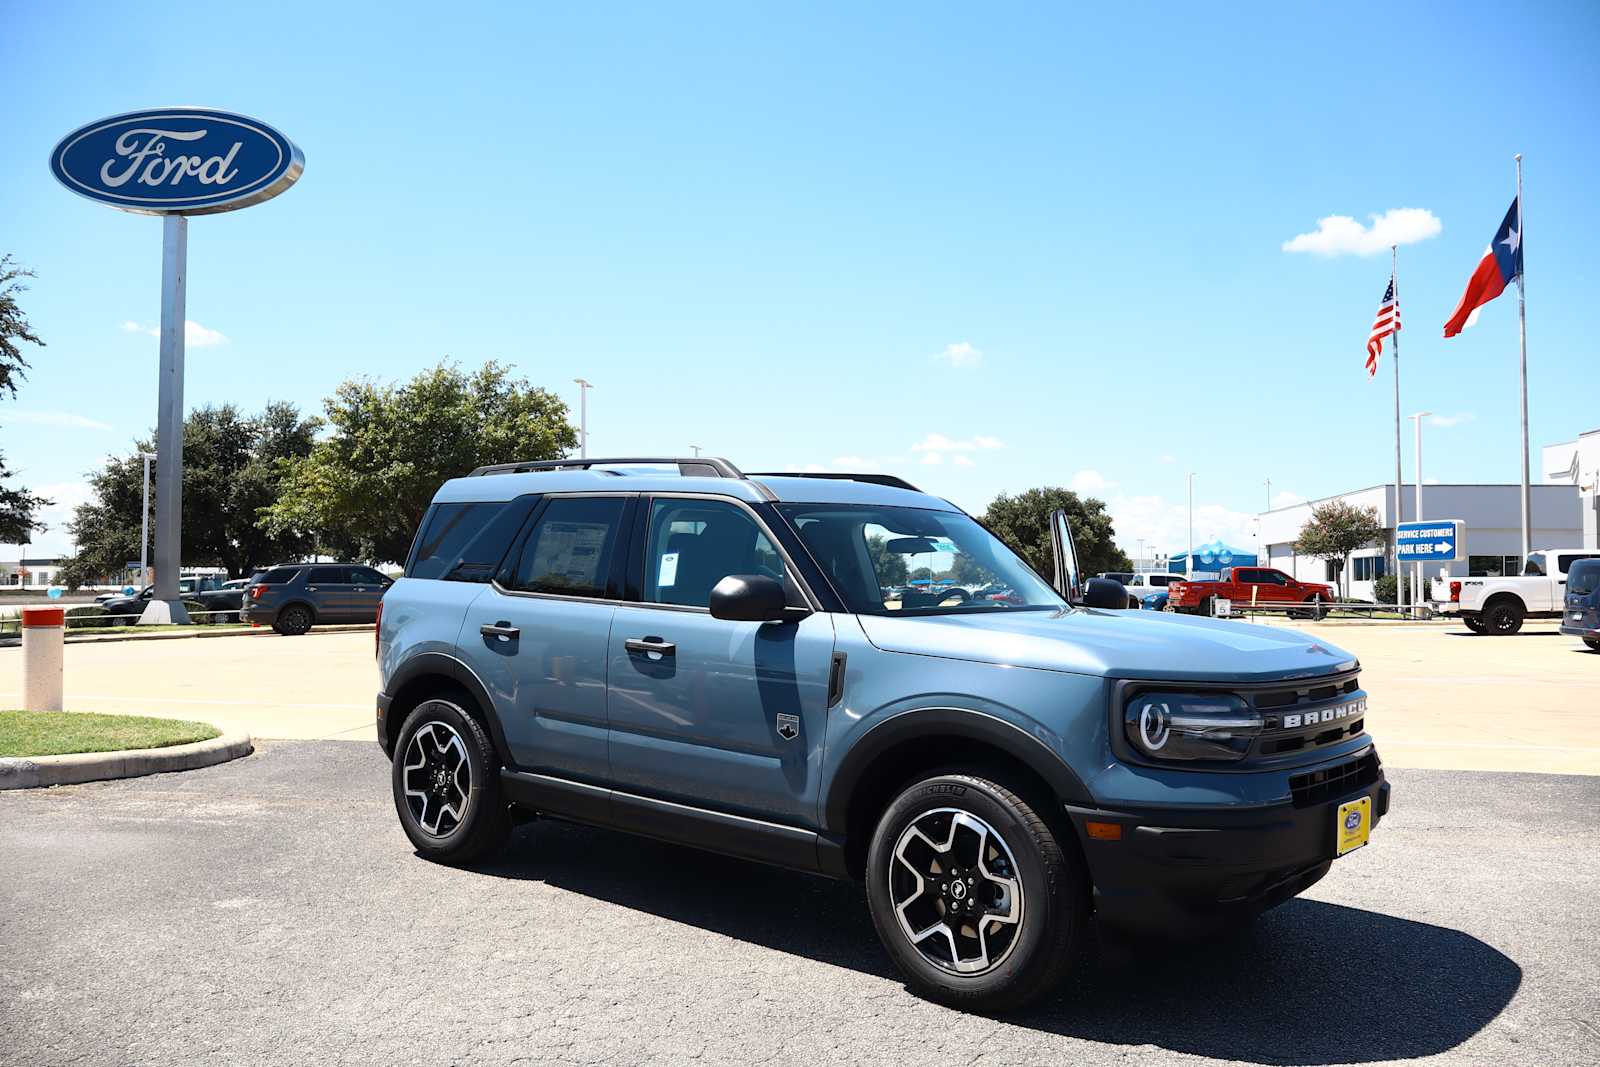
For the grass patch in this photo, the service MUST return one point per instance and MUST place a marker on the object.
(55, 733)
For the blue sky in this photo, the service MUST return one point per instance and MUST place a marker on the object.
(1054, 239)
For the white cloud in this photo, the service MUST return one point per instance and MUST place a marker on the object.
(1341, 235)
(1090, 481)
(64, 497)
(1285, 499)
(961, 459)
(194, 334)
(1445, 422)
(961, 354)
(1164, 525)
(930, 459)
(57, 418)
(938, 442)
(1430, 481)
(1168, 457)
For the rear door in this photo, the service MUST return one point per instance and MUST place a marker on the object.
(537, 635)
(332, 593)
(718, 714)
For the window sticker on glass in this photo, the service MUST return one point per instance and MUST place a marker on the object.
(669, 569)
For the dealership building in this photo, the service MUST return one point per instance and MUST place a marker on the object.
(1491, 518)
(1576, 463)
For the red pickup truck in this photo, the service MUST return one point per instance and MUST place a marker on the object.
(1245, 585)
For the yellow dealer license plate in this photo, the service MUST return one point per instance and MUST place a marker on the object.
(1354, 825)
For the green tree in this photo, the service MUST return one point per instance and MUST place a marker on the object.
(1337, 529)
(233, 469)
(18, 507)
(1023, 522)
(362, 490)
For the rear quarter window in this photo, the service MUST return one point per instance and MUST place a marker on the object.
(279, 576)
(466, 542)
(1585, 577)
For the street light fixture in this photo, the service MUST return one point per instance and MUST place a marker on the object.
(144, 521)
(583, 417)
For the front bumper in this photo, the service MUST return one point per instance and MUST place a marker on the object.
(1190, 872)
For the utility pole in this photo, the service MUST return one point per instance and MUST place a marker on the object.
(1416, 584)
(696, 450)
(583, 417)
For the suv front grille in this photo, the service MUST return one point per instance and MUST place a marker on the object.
(1319, 787)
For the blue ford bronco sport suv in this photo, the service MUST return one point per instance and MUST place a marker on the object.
(727, 661)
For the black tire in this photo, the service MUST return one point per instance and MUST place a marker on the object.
(1593, 643)
(293, 620)
(1206, 607)
(1133, 602)
(481, 820)
(1502, 618)
(1473, 623)
(1052, 906)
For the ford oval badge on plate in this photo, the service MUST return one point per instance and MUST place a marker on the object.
(177, 161)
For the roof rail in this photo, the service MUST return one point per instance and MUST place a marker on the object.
(688, 466)
(889, 480)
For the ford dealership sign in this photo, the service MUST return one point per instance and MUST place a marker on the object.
(177, 161)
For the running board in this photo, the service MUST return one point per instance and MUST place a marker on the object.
(683, 824)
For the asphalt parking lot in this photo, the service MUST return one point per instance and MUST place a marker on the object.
(270, 911)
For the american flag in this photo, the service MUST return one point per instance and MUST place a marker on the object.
(1387, 322)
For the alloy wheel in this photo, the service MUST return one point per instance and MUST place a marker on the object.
(437, 778)
(955, 890)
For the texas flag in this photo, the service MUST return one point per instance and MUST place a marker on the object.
(1500, 266)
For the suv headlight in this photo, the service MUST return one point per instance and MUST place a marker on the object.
(1191, 726)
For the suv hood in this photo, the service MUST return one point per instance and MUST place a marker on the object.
(1112, 644)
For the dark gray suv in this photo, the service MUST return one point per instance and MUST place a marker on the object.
(295, 597)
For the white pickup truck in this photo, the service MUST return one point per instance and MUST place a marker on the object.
(1499, 605)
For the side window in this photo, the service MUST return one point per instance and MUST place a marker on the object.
(694, 544)
(1566, 562)
(466, 542)
(367, 576)
(568, 553)
(328, 576)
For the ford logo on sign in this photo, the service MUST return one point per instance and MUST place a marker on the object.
(177, 161)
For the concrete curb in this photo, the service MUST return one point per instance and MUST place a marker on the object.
(29, 772)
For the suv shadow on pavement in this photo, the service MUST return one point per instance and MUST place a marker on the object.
(1297, 987)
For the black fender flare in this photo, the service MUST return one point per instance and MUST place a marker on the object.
(426, 665)
(948, 722)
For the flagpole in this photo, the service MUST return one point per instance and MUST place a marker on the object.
(1399, 490)
(1522, 329)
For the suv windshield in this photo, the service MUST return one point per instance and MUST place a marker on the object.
(916, 561)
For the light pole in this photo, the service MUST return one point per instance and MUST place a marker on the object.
(696, 449)
(1188, 558)
(144, 521)
(583, 417)
(1416, 583)
(1138, 564)
(1269, 494)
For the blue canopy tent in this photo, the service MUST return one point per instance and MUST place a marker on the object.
(1211, 559)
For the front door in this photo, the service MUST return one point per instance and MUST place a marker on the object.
(537, 637)
(717, 714)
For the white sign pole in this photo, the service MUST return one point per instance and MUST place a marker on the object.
(166, 604)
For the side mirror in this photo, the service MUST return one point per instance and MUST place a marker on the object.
(748, 598)
(1105, 593)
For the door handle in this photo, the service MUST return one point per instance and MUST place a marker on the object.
(311, 589)
(503, 630)
(650, 644)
